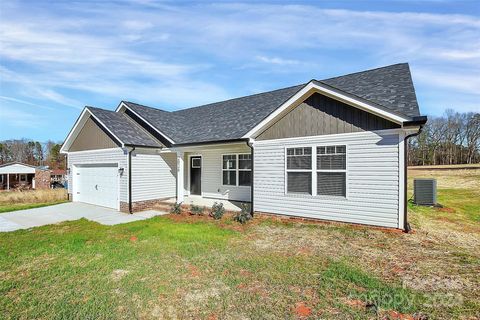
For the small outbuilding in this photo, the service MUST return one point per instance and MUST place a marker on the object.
(16, 175)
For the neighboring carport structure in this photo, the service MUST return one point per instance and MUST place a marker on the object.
(21, 175)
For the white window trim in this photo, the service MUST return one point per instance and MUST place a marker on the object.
(237, 170)
(334, 170)
(314, 170)
(298, 170)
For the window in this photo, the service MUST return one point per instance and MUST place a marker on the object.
(244, 169)
(299, 170)
(196, 162)
(323, 173)
(230, 170)
(23, 178)
(331, 170)
(237, 169)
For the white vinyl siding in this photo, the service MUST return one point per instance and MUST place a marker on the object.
(372, 174)
(212, 164)
(153, 175)
(114, 155)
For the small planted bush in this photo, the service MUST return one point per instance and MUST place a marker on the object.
(244, 215)
(196, 210)
(217, 211)
(176, 208)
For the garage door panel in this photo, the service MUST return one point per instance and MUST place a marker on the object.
(97, 184)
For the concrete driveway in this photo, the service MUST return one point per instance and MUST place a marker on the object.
(24, 219)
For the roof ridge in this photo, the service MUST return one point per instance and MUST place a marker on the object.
(364, 71)
(92, 107)
(142, 105)
(250, 95)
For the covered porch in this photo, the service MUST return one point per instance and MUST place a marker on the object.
(17, 176)
(221, 172)
(17, 180)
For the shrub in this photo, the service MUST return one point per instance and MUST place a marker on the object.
(217, 210)
(244, 215)
(196, 210)
(176, 208)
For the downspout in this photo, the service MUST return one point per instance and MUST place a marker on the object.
(406, 225)
(250, 144)
(130, 180)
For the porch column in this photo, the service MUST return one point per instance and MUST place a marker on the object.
(8, 181)
(180, 176)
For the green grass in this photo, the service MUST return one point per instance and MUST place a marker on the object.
(459, 205)
(22, 206)
(199, 268)
(195, 269)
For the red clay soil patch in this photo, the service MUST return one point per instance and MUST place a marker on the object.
(193, 271)
(133, 239)
(301, 310)
(446, 209)
(394, 315)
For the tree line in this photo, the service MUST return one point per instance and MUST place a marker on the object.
(453, 138)
(32, 152)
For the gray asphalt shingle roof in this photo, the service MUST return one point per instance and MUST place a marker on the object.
(226, 120)
(390, 87)
(124, 128)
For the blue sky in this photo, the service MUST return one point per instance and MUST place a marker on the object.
(56, 57)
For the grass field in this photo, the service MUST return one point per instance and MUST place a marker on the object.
(19, 200)
(176, 267)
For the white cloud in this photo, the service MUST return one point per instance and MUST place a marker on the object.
(182, 55)
(276, 60)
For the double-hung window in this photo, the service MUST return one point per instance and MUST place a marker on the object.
(331, 170)
(237, 169)
(321, 173)
(299, 170)
(229, 170)
(244, 169)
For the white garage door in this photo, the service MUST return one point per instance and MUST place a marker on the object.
(96, 184)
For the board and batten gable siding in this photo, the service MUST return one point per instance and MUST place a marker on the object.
(212, 173)
(372, 184)
(321, 115)
(153, 175)
(91, 137)
(101, 156)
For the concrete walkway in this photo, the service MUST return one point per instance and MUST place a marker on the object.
(24, 219)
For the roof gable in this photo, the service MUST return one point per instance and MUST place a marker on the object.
(386, 92)
(391, 87)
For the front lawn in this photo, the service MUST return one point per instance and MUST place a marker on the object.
(192, 267)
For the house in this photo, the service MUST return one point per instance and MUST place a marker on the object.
(330, 149)
(58, 175)
(16, 175)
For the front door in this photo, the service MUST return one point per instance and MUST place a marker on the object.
(196, 175)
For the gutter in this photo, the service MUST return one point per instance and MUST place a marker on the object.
(130, 180)
(416, 121)
(406, 225)
(250, 144)
(209, 142)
